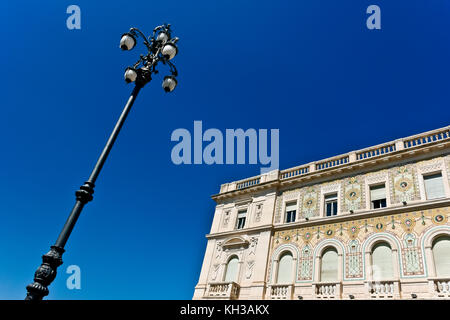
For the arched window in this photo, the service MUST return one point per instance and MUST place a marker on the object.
(285, 269)
(382, 267)
(441, 256)
(329, 266)
(232, 270)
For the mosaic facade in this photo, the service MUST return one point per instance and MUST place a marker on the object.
(405, 230)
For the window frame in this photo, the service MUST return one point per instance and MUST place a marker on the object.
(375, 185)
(325, 202)
(392, 261)
(289, 213)
(234, 256)
(292, 264)
(428, 174)
(238, 219)
(323, 252)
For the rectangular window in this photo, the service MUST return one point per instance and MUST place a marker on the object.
(241, 219)
(331, 203)
(291, 209)
(378, 196)
(434, 186)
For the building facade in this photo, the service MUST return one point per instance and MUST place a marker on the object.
(369, 224)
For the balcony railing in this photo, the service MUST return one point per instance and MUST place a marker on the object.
(280, 291)
(351, 157)
(293, 172)
(432, 136)
(383, 289)
(327, 290)
(334, 162)
(441, 287)
(247, 183)
(375, 151)
(225, 290)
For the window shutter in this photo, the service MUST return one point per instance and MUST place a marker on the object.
(291, 206)
(285, 269)
(382, 268)
(232, 268)
(329, 266)
(377, 193)
(434, 186)
(441, 255)
(331, 197)
(241, 214)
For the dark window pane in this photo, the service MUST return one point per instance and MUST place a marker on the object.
(328, 209)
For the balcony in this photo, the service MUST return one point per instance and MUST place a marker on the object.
(327, 290)
(441, 287)
(223, 290)
(280, 292)
(383, 289)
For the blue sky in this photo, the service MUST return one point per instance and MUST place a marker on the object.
(309, 68)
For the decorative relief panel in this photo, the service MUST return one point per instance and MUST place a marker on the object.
(258, 211)
(309, 204)
(217, 261)
(353, 194)
(447, 165)
(405, 185)
(377, 177)
(251, 257)
(305, 265)
(278, 206)
(411, 256)
(226, 217)
(430, 165)
(332, 186)
(353, 261)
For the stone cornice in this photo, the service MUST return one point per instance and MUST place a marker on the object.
(239, 232)
(422, 205)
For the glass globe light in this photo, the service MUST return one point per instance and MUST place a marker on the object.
(162, 37)
(130, 75)
(127, 42)
(169, 51)
(169, 83)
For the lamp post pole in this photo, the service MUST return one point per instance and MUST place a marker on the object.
(161, 48)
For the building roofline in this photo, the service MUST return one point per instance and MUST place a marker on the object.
(408, 146)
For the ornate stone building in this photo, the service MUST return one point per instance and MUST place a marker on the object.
(369, 224)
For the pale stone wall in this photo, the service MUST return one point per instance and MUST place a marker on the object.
(408, 224)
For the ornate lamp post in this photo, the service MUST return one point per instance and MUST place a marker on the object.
(161, 47)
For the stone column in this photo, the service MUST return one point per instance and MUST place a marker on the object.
(261, 265)
(430, 262)
(368, 271)
(317, 265)
(396, 265)
(340, 267)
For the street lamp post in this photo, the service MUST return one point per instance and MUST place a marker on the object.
(161, 47)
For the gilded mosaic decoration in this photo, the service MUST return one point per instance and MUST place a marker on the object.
(406, 228)
(310, 204)
(352, 194)
(404, 182)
